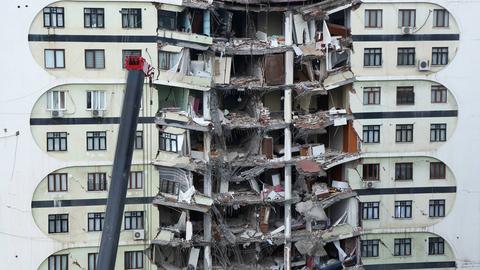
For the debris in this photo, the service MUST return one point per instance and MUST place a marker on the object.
(189, 231)
(186, 196)
(193, 258)
(308, 209)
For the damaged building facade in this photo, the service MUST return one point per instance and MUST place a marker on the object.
(273, 135)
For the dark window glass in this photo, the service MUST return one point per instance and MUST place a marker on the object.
(167, 20)
(372, 57)
(404, 171)
(169, 187)
(440, 18)
(131, 17)
(403, 247)
(97, 181)
(370, 248)
(133, 259)
(405, 95)
(436, 246)
(168, 142)
(406, 18)
(93, 17)
(439, 94)
(133, 220)
(406, 56)
(437, 170)
(138, 143)
(371, 171)
(58, 223)
(439, 56)
(438, 132)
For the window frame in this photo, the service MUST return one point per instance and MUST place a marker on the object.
(403, 171)
(368, 18)
(406, 56)
(60, 184)
(402, 247)
(90, 16)
(96, 135)
(95, 261)
(404, 133)
(61, 226)
(401, 17)
(436, 246)
(51, 104)
(370, 248)
(94, 59)
(440, 56)
(372, 95)
(172, 15)
(439, 94)
(446, 18)
(438, 171)
(52, 259)
(128, 14)
(128, 259)
(95, 221)
(405, 95)
(370, 169)
(134, 220)
(374, 54)
(436, 208)
(169, 187)
(55, 15)
(168, 139)
(97, 181)
(138, 142)
(134, 181)
(403, 209)
(55, 64)
(94, 97)
(370, 210)
(373, 132)
(52, 137)
(438, 132)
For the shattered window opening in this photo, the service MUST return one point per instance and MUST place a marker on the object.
(404, 171)
(403, 209)
(436, 208)
(439, 94)
(438, 132)
(436, 246)
(169, 187)
(167, 60)
(370, 248)
(403, 246)
(370, 210)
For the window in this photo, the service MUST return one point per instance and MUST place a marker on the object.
(439, 56)
(133, 259)
(406, 17)
(126, 53)
(138, 143)
(58, 223)
(437, 170)
(440, 18)
(53, 17)
(436, 246)
(96, 140)
(373, 18)
(371, 171)
(57, 182)
(95, 59)
(403, 247)
(58, 262)
(371, 95)
(370, 210)
(370, 248)
(436, 208)
(372, 57)
(93, 17)
(403, 209)
(167, 19)
(371, 134)
(56, 100)
(131, 18)
(439, 94)
(56, 141)
(168, 142)
(97, 181)
(404, 133)
(92, 261)
(438, 132)
(404, 171)
(95, 222)
(96, 100)
(167, 60)
(406, 56)
(135, 181)
(133, 220)
(405, 95)
(169, 187)
(54, 58)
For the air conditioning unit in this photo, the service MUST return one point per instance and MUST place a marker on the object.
(57, 113)
(138, 234)
(98, 113)
(423, 65)
(407, 30)
(369, 184)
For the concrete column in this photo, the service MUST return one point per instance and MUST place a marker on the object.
(287, 108)
(207, 184)
(206, 106)
(206, 22)
(312, 28)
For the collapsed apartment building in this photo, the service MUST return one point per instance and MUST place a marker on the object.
(254, 131)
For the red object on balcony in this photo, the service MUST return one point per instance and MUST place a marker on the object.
(133, 62)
